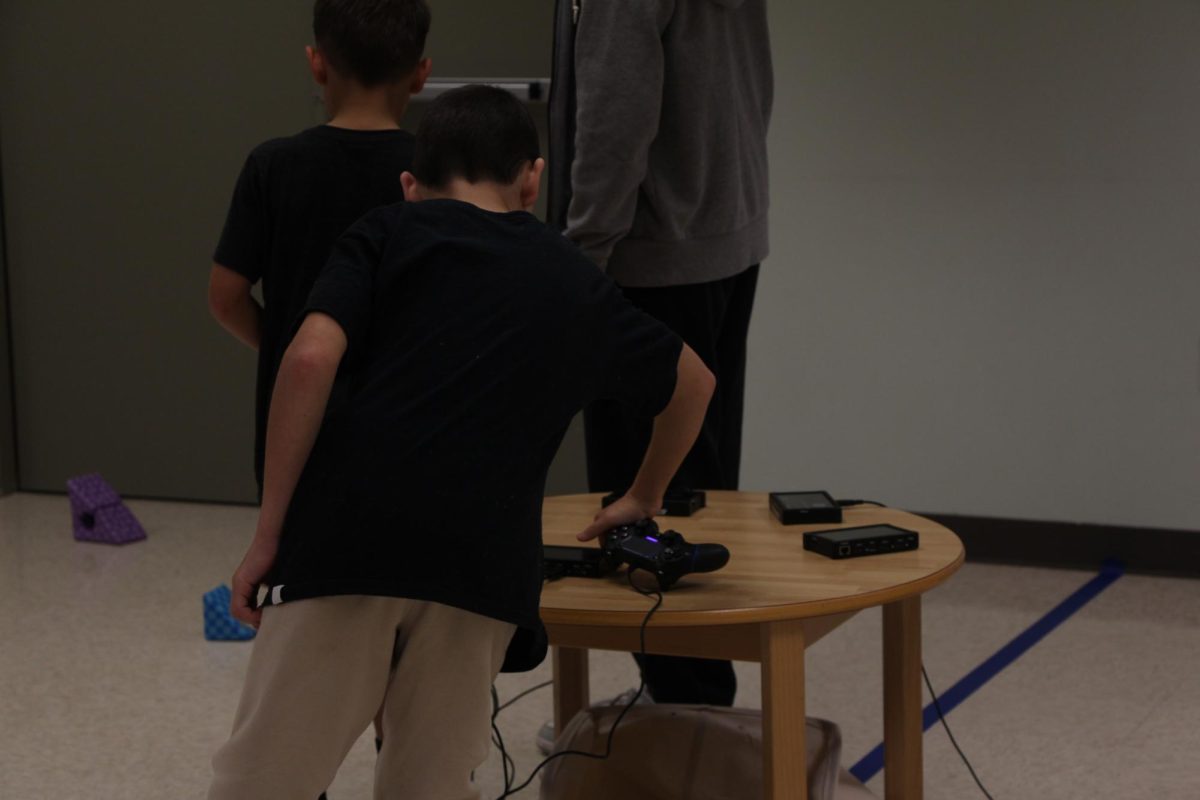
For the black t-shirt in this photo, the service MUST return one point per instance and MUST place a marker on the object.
(294, 198)
(474, 338)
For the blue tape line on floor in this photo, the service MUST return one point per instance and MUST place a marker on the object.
(870, 764)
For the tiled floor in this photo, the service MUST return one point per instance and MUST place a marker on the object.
(108, 689)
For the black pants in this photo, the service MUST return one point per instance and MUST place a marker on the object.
(714, 319)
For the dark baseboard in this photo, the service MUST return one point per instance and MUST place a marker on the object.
(1077, 546)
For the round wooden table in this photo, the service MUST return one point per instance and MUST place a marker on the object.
(767, 605)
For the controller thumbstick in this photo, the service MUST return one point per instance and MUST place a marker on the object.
(709, 557)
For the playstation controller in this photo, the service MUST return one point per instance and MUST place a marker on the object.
(666, 554)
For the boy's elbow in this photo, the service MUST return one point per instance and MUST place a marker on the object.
(704, 383)
(317, 349)
(219, 305)
(306, 360)
(228, 292)
(224, 301)
(694, 375)
(708, 383)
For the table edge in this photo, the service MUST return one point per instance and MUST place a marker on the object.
(757, 615)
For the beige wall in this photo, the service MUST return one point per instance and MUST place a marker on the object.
(982, 293)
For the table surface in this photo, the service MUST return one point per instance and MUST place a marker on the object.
(769, 577)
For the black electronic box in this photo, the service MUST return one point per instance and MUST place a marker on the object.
(676, 502)
(867, 540)
(805, 508)
(575, 562)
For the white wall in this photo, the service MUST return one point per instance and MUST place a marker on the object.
(982, 294)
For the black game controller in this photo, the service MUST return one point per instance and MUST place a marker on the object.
(666, 554)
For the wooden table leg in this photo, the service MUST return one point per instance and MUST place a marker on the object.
(570, 685)
(903, 764)
(784, 754)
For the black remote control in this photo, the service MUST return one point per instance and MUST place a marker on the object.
(665, 553)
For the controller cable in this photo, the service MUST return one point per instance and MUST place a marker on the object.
(498, 740)
(938, 706)
(929, 685)
(528, 691)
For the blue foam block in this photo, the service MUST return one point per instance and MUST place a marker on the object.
(219, 624)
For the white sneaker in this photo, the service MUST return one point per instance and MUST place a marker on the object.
(545, 734)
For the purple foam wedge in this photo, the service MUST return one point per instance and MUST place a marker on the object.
(98, 514)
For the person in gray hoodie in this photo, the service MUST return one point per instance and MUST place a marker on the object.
(669, 101)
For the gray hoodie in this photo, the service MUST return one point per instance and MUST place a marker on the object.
(669, 177)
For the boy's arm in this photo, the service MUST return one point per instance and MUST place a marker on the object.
(233, 306)
(301, 393)
(675, 430)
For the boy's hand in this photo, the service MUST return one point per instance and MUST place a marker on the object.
(249, 576)
(627, 510)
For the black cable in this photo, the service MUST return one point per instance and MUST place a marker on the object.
(845, 503)
(510, 790)
(938, 706)
(528, 691)
(508, 766)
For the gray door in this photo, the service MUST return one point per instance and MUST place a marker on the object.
(123, 127)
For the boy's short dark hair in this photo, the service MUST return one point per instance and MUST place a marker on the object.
(477, 133)
(371, 41)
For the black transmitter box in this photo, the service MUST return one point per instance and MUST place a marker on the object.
(805, 508)
(676, 502)
(868, 540)
(575, 562)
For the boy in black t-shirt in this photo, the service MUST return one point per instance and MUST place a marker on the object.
(296, 195)
(400, 535)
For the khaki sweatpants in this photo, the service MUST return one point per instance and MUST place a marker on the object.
(322, 668)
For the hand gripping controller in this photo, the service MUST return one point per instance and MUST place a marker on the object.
(665, 553)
